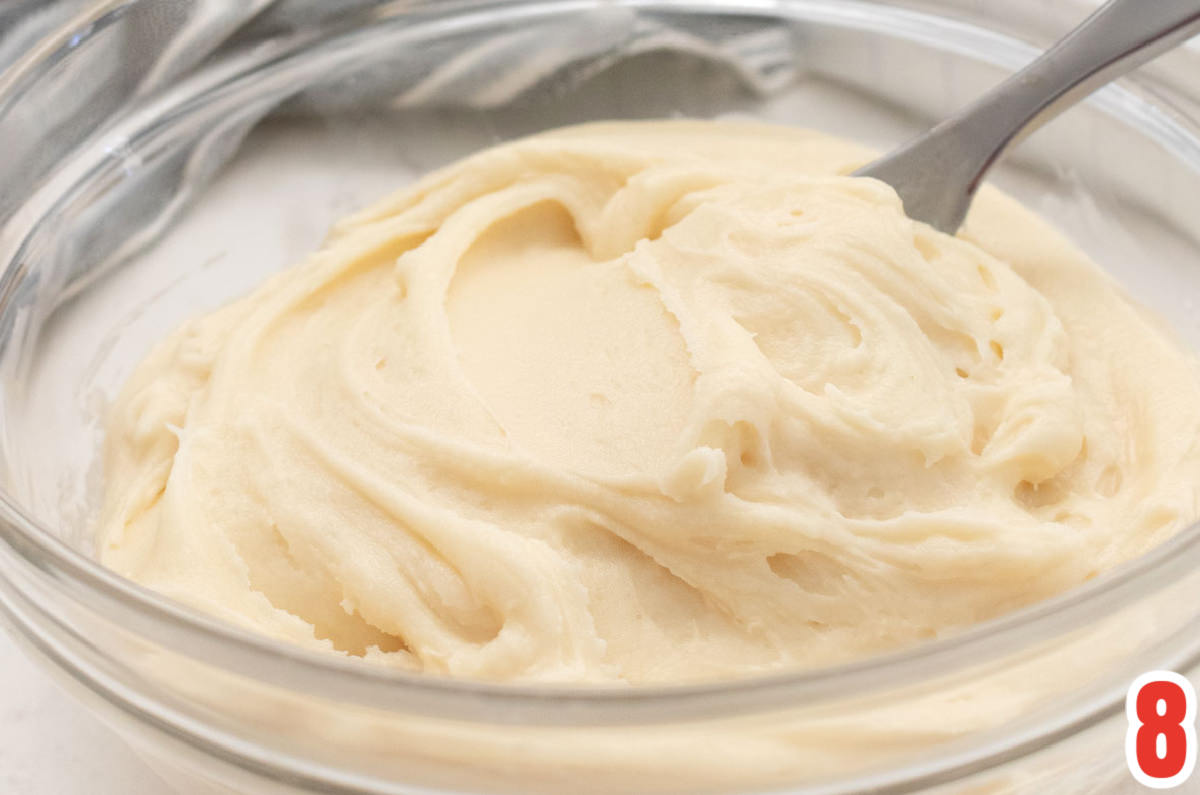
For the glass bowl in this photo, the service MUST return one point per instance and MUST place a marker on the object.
(163, 156)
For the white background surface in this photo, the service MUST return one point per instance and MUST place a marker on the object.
(50, 745)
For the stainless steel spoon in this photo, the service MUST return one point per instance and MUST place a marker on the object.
(938, 173)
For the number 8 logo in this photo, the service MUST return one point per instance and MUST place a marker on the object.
(1160, 746)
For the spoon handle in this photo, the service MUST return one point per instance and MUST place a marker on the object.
(956, 154)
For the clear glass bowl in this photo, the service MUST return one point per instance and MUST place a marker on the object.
(163, 157)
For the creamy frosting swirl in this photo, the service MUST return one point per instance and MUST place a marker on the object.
(652, 402)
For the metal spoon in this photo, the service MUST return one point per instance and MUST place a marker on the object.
(938, 173)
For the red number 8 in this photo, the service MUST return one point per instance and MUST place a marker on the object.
(1160, 746)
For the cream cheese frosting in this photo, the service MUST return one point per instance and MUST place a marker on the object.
(652, 402)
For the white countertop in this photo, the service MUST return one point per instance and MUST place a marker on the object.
(51, 745)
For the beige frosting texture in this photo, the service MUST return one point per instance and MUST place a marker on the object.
(652, 402)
